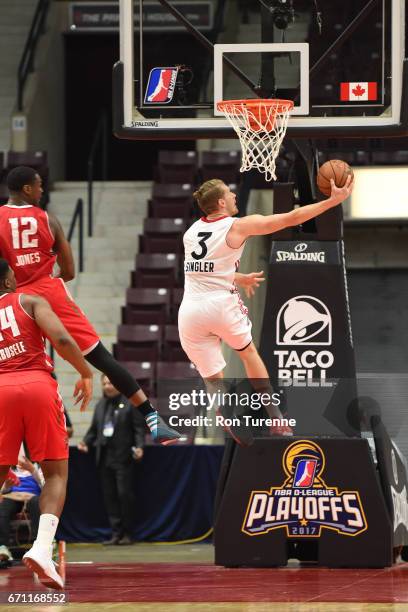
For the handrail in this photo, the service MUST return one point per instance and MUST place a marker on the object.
(100, 138)
(27, 59)
(78, 215)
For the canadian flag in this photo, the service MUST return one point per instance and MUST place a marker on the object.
(358, 92)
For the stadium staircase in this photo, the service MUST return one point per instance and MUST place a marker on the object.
(119, 210)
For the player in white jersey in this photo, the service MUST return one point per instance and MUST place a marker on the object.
(212, 310)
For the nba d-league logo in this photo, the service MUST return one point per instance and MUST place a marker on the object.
(304, 321)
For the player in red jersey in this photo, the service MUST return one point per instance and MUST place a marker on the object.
(32, 240)
(31, 407)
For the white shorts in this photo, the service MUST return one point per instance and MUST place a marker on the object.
(204, 322)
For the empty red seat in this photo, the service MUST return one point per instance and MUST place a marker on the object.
(170, 370)
(144, 372)
(163, 236)
(221, 164)
(167, 210)
(146, 306)
(177, 166)
(172, 349)
(164, 226)
(173, 200)
(138, 342)
(172, 192)
(156, 270)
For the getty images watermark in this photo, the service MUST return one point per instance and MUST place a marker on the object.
(227, 409)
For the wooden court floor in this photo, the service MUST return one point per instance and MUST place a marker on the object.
(162, 578)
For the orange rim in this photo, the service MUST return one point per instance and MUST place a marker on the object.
(280, 105)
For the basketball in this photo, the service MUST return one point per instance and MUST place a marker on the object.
(335, 169)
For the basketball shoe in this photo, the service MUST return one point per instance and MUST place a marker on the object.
(38, 560)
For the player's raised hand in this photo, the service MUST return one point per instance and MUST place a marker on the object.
(339, 194)
(83, 392)
(250, 282)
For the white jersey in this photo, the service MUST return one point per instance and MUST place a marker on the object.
(209, 263)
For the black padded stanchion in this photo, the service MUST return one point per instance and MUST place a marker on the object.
(283, 493)
(306, 340)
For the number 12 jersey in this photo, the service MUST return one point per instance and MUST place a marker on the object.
(26, 242)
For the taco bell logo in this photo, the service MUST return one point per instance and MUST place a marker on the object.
(304, 321)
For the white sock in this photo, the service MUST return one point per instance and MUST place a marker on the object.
(46, 530)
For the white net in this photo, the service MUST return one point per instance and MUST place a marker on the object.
(260, 126)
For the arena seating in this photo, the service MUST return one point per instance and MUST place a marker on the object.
(162, 236)
(221, 164)
(175, 369)
(138, 343)
(146, 306)
(156, 270)
(178, 167)
(149, 330)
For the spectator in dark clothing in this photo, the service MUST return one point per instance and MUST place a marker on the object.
(117, 432)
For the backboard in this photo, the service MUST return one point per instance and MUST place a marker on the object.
(342, 65)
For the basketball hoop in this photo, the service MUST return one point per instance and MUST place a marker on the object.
(261, 126)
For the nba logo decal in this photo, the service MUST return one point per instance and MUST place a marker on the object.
(305, 471)
(304, 504)
(160, 86)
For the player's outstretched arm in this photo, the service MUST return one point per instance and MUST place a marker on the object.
(62, 248)
(63, 342)
(259, 225)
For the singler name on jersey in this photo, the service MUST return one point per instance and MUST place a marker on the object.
(199, 266)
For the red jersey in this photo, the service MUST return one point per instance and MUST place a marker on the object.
(26, 242)
(22, 344)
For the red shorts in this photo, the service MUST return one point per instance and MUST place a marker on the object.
(60, 300)
(31, 410)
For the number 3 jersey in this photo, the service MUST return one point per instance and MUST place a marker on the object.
(26, 242)
(210, 263)
(21, 340)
